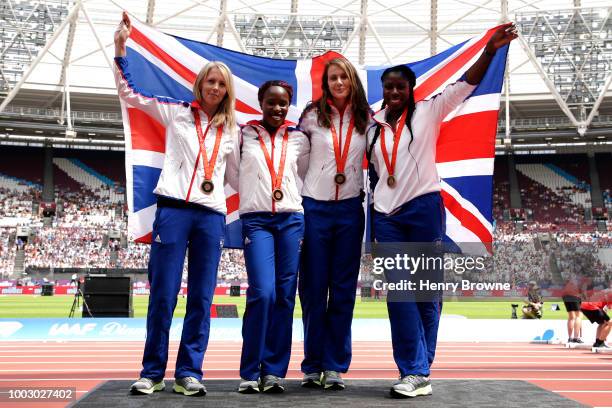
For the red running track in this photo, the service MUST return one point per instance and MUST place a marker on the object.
(576, 374)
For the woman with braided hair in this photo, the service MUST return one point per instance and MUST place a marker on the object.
(407, 206)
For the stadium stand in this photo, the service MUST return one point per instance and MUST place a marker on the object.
(604, 168)
(15, 184)
(78, 236)
(14, 158)
(89, 178)
(558, 181)
(501, 188)
(7, 252)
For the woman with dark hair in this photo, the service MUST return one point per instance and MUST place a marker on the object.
(273, 158)
(334, 217)
(407, 202)
(200, 137)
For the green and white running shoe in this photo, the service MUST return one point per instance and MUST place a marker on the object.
(272, 384)
(146, 386)
(311, 380)
(411, 386)
(248, 386)
(332, 380)
(189, 386)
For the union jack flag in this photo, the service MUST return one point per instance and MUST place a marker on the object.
(166, 66)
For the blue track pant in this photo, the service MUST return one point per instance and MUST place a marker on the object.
(175, 230)
(328, 280)
(271, 251)
(414, 325)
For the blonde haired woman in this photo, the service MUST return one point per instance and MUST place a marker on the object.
(190, 215)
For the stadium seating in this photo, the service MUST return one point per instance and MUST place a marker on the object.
(604, 169)
(15, 184)
(7, 252)
(22, 163)
(89, 178)
(87, 212)
(553, 178)
(501, 187)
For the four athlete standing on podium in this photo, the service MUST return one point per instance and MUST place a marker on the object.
(301, 209)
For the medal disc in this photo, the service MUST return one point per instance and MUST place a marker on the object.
(391, 181)
(207, 186)
(340, 178)
(277, 195)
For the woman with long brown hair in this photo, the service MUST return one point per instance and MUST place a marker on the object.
(336, 124)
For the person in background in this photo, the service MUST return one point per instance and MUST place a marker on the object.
(572, 299)
(597, 312)
(533, 305)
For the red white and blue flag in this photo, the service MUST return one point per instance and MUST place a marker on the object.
(166, 66)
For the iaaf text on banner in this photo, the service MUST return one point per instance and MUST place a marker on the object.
(166, 66)
(228, 330)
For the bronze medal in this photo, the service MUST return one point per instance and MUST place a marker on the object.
(207, 186)
(277, 177)
(277, 195)
(340, 178)
(391, 181)
(341, 155)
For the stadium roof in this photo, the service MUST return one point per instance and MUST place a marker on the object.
(385, 32)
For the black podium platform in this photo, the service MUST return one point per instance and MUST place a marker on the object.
(359, 393)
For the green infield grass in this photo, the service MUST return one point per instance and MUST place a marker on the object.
(25, 306)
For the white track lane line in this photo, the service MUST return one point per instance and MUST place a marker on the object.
(521, 378)
(296, 355)
(586, 391)
(297, 369)
(391, 363)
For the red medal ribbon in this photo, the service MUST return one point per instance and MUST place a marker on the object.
(209, 166)
(341, 157)
(277, 178)
(396, 139)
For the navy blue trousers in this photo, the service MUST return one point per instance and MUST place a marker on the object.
(328, 281)
(272, 244)
(414, 325)
(174, 230)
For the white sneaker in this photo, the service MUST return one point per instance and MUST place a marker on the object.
(146, 386)
(411, 386)
(248, 386)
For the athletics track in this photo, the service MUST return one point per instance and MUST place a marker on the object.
(577, 374)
